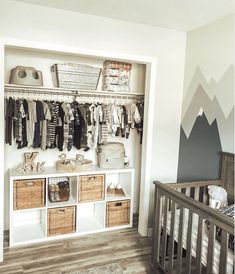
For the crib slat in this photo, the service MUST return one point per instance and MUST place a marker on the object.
(223, 252)
(157, 227)
(172, 240)
(205, 196)
(196, 193)
(189, 243)
(199, 246)
(187, 193)
(180, 240)
(164, 237)
(210, 250)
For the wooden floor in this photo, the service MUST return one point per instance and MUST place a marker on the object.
(125, 247)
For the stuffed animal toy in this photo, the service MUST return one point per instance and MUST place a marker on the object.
(217, 197)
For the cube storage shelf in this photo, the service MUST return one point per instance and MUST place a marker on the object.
(77, 216)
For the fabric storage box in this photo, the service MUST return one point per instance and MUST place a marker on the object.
(76, 76)
(29, 194)
(116, 76)
(118, 213)
(116, 67)
(91, 188)
(61, 220)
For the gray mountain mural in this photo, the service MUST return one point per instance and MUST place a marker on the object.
(223, 90)
(212, 111)
(207, 126)
(198, 155)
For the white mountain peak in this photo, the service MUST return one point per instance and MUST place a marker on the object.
(200, 112)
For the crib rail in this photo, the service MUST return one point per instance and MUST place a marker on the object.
(169, 257)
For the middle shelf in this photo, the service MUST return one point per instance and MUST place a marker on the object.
(69, 190)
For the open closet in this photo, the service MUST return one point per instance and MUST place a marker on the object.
(37, 221)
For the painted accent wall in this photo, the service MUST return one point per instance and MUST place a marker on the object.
(207, 125)
(55, 26)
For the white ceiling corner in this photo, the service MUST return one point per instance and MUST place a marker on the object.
(182, 15)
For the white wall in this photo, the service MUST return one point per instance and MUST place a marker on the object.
(41, 24)
(210, 47)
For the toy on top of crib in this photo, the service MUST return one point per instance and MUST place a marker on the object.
(217, 197)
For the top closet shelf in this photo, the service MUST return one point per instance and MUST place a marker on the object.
(68, 91)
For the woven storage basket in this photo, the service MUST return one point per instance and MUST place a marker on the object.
(29, 194)
(91, 188)
(61, 220)
(118, 213)
(76, 76)
(84, 166)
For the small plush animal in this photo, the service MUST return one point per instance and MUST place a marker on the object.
(217, 197)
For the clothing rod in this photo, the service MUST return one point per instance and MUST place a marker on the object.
(58, 91)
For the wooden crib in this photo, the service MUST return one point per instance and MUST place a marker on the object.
(182, 242)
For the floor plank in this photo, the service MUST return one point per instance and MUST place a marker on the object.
(125, 247)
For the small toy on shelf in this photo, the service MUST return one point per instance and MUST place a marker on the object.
(64, 159)
(115, 191)
(40, 166)
(29, 158)
(23, 168)
(29, 164)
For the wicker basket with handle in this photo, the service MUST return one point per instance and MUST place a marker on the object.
(29, 194)
(61, 220)
(118, 213)
(91, 188)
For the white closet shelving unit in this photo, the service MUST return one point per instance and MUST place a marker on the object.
(42, 55)
(29, 225)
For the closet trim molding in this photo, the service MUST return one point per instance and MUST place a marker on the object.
(2, 143)
(150, 88)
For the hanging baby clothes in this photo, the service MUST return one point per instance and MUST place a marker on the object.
(44, 126)
(78, 123)
(54, 109)
(105, 124)
(135, 120)
(98, 118)
(115, 119)
(17, 120)
(63, 125)
(66, 124)
(83, 112)
(24, 124)
(59, 132)
(71, 127)
(32, 119)
(37, 132)
(139, 126)
(9, 112)
(90, 125)
(126, 131)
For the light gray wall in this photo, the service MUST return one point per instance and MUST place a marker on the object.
(208, 104)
